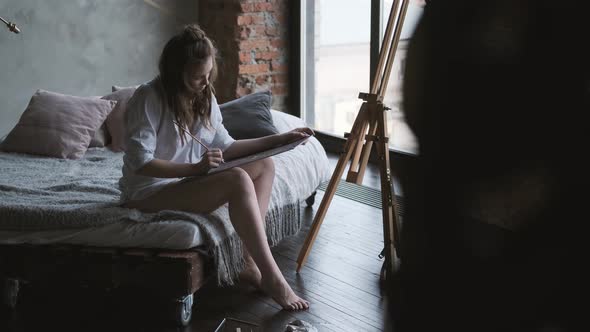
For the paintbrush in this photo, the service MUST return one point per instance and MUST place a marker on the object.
(196, 139)
(191, 135)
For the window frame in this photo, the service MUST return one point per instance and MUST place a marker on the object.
(302, 17)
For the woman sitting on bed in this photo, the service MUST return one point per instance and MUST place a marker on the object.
(159, 154)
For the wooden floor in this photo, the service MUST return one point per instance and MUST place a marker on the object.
(340, 279)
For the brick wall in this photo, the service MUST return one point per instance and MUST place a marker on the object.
(252, 39)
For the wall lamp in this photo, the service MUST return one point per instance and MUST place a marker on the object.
(11, 26)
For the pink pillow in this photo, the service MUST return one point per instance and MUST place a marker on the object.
(116, 120)
(57, 125)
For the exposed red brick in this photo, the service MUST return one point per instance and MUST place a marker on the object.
(269, 55)
(247, 7)
(251, 18)
(263, 7)
(260, 29)
(240, 92)
(271, 31)
(253, 68)
(246, 81)
(245, 32)
(252, 36)
(244, 20)
(253, 44)
(278, 67)
(278, 43)
(245, 57)
(262, 79)
(256, 6)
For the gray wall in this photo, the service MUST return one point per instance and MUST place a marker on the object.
(81, 47)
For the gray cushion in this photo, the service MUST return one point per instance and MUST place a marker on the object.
(249, 116)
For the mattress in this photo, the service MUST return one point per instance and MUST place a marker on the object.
(178, 234)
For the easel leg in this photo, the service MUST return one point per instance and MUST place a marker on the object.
(390, 231)
(352, 145)
(326, 200)
(364, 158)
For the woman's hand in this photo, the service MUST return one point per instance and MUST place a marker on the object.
(244, 147)
(296, 134)
(209, 160)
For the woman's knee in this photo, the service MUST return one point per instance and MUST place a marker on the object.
(267, 166)
(239, 180)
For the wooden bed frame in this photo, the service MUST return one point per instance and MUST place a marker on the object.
(173, 276)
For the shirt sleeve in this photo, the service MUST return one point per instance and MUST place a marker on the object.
(142, 119)
(222, 139)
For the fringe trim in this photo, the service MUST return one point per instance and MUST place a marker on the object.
(282, 222)
(229, 260)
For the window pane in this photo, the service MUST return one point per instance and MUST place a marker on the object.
(341, 58)
(338, 34)
(400, 135)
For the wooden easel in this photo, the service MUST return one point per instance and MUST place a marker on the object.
(370, 126)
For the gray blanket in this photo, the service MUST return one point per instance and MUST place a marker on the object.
(38, 193)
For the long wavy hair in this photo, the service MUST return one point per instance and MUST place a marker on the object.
(189, 47)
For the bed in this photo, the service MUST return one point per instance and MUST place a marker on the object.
(60, 224)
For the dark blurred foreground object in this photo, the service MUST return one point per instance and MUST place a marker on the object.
(497, 93)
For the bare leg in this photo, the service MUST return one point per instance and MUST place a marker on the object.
(262, 174)
(237, 188)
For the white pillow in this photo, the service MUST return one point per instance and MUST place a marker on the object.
(285, 122)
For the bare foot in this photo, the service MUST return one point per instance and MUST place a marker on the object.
(281, 292)
(251, 273)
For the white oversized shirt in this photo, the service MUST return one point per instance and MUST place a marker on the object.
(152, 134)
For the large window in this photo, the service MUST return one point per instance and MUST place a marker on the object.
(337, 39)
